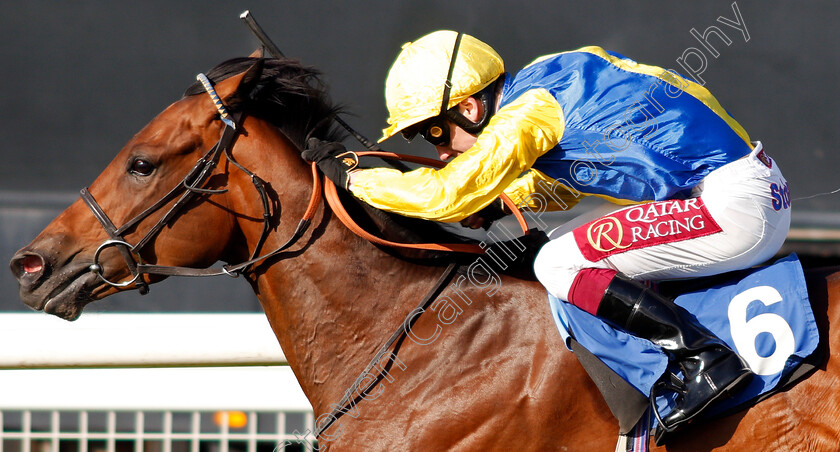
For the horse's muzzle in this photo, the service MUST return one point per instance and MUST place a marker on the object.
(44, 287)
(28, 268)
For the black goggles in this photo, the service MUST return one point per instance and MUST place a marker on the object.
(434, 130)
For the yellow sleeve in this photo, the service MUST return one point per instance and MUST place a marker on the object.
(540, 193)
(517, 134)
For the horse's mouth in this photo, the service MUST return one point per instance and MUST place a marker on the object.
(69, 296)
(69, 301)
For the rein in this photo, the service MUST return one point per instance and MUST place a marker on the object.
(333, 200)
(191, 185)
(187, 189)
(399, 336)
(138, 268)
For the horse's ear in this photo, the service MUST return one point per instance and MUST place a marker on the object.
(250, 79)
(242, 85)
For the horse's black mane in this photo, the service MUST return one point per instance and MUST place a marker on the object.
(292, 97)
(288, 94)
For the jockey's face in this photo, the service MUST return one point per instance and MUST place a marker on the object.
(460, 139)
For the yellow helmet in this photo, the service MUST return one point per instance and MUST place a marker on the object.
(415, 87)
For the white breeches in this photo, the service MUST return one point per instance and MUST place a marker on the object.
(749, 206)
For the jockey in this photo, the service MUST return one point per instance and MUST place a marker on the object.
(699, 197)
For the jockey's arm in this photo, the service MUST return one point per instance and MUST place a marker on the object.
(517, 135)
(538, 192)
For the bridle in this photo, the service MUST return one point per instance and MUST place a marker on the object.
(185, 191)
(192, 185)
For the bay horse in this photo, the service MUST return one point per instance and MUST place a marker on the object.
(485, 368)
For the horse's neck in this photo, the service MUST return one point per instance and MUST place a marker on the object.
(334, 305)
(336, 299)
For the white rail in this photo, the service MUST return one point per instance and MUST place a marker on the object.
(35, 340)
(96, 385)
(187, 389)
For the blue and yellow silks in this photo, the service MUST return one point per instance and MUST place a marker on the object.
(590, 122)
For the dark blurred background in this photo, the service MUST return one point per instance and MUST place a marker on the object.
(80, 78)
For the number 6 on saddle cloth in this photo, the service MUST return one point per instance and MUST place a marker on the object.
(763, 314)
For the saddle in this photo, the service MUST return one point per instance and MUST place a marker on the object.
(764, 314)
(768, 318)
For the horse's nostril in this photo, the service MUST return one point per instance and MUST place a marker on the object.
(32, 264)
(28, 266)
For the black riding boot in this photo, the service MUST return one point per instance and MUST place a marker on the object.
(711, 369)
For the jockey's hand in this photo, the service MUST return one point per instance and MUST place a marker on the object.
(485, 217)
(332, 159)
(473, 221)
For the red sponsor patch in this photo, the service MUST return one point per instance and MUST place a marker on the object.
(645, 225)
(765, 159)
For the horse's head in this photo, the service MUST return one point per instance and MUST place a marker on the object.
(72, 261)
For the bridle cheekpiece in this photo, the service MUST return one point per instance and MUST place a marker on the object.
(190, 186)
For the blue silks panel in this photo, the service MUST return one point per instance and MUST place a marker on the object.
(765, 316)
(628, 134)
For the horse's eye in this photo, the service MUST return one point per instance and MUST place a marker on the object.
(141, 167)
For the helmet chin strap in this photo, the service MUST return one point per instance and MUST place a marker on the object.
(487, 98)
